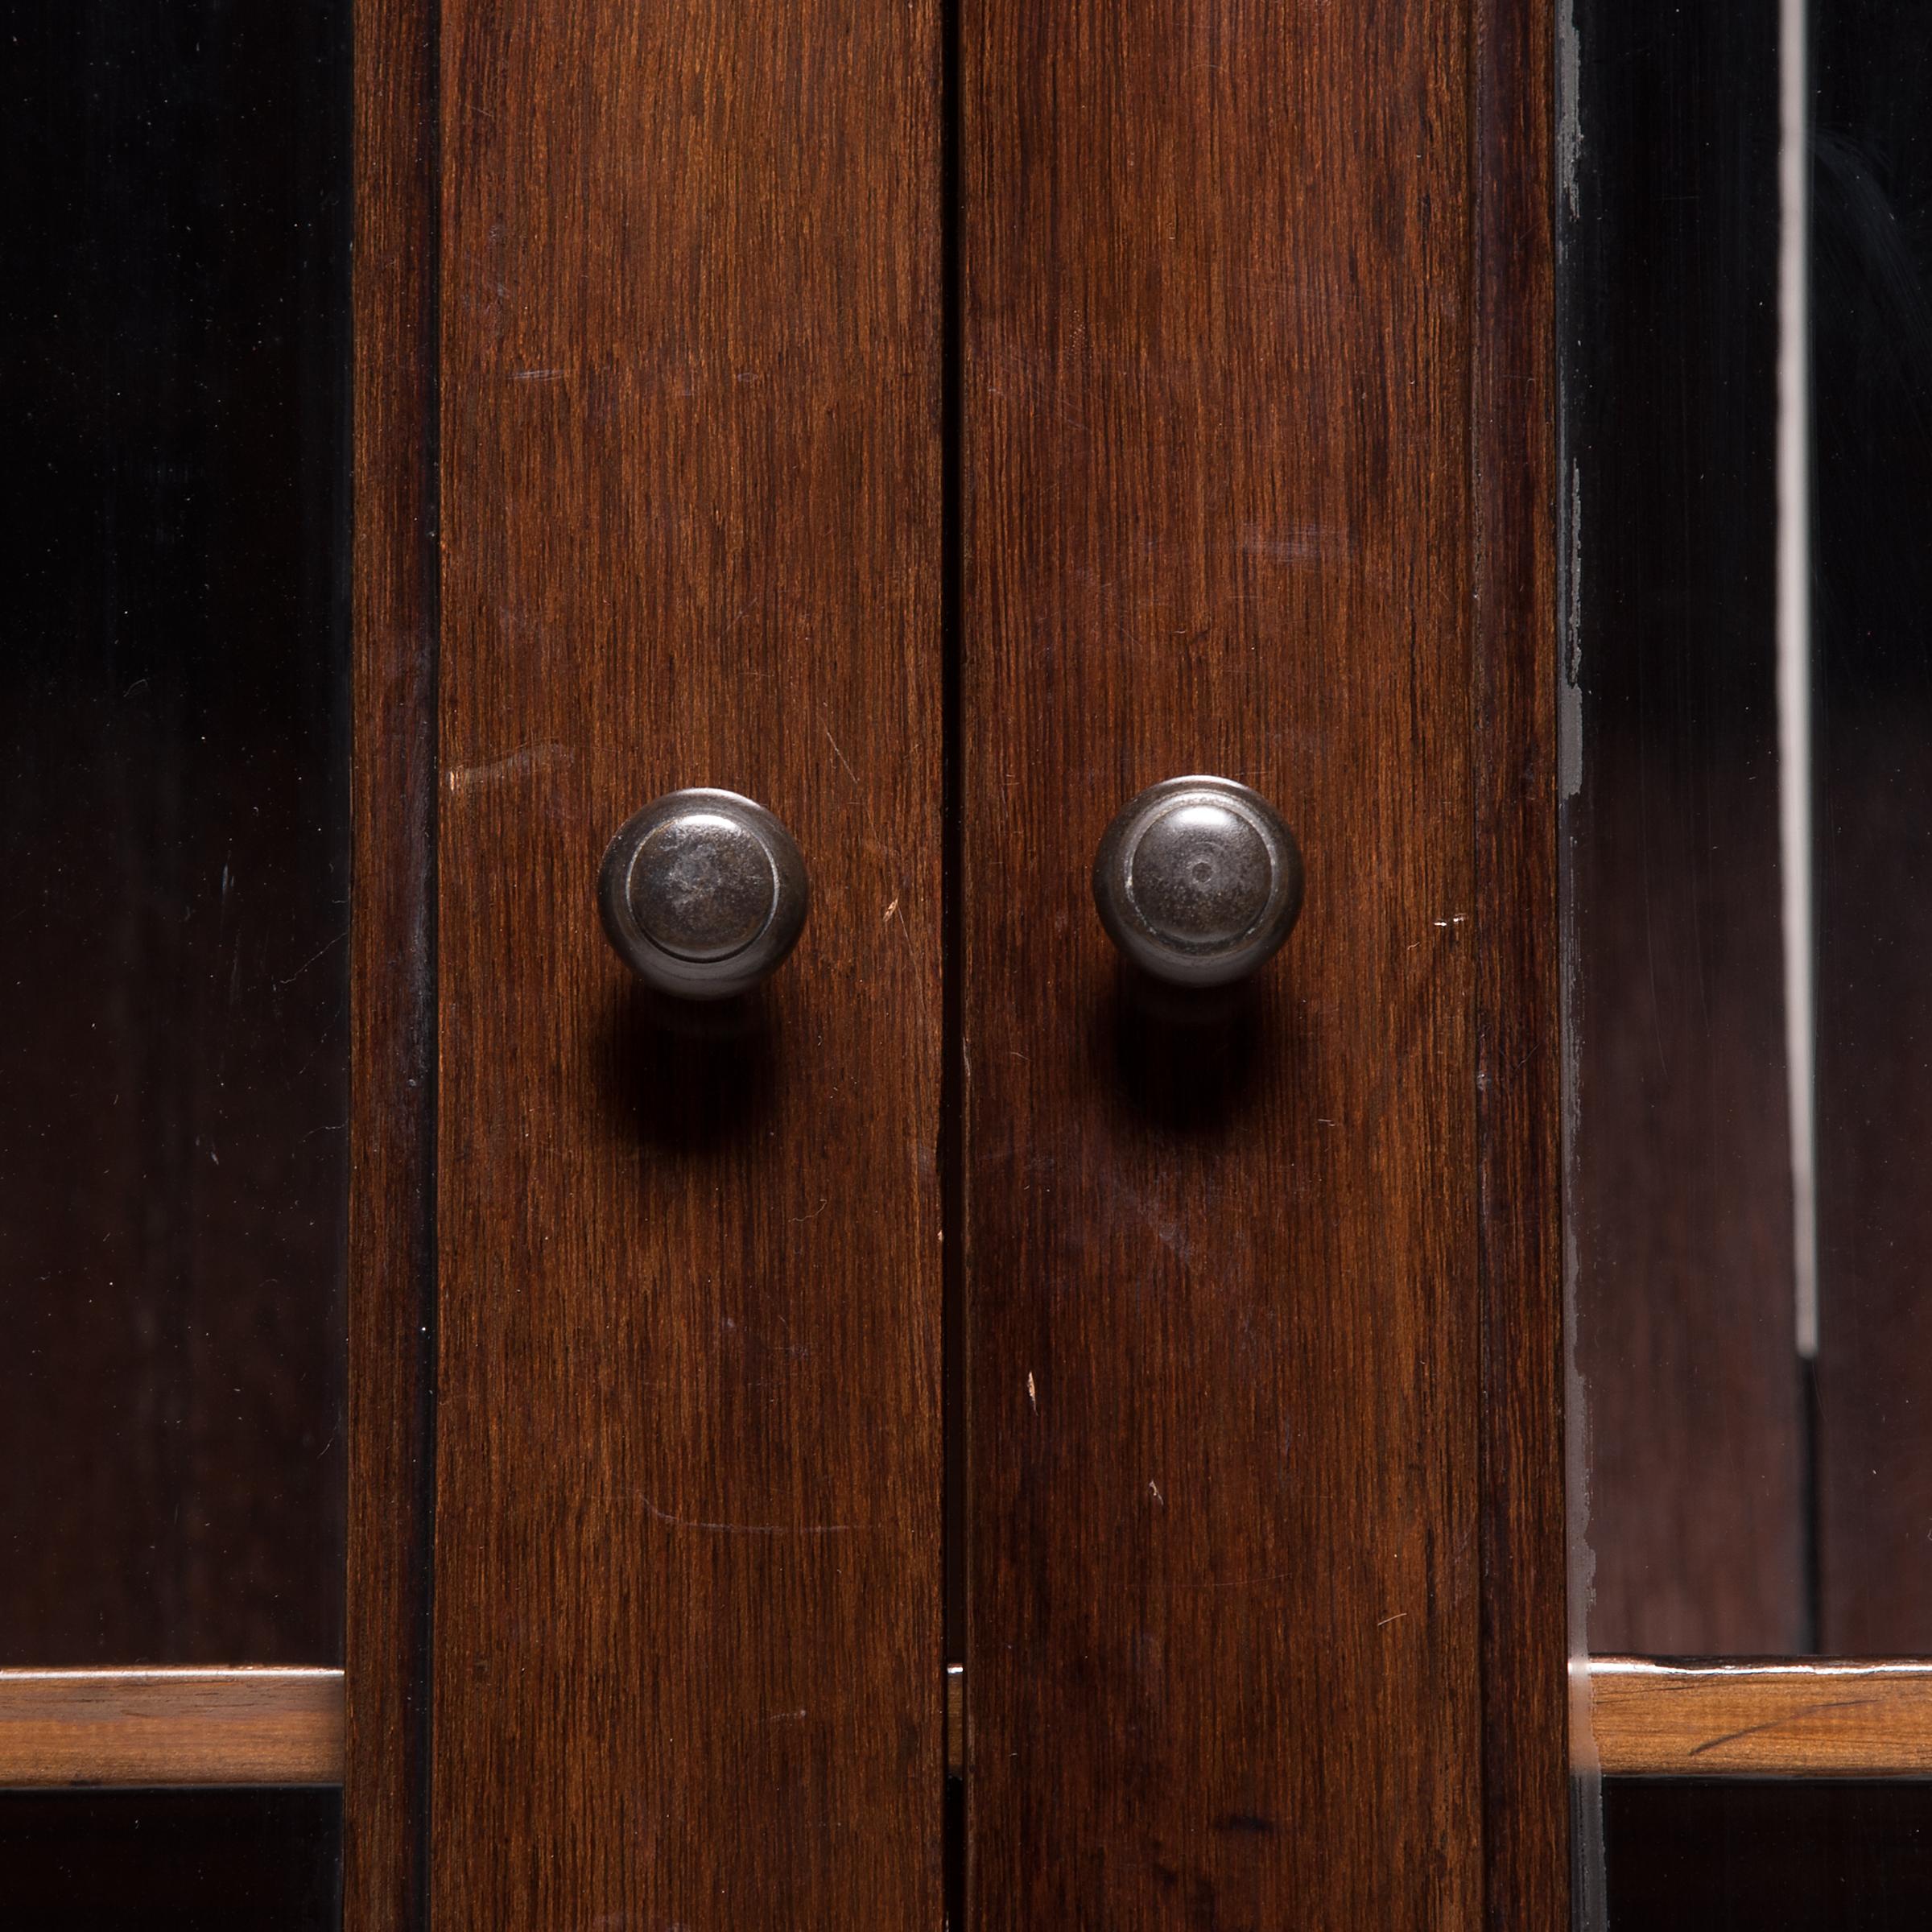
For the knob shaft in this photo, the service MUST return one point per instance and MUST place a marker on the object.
(1198, 881)
(703, 894)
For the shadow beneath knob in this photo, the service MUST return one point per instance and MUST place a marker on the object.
(691, 1075)
(1189, 1060)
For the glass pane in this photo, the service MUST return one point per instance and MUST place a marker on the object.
(1747, 414)
(172, 1861)
(1747, 418)
(173, 832)
(1680, 1208)
(1871, 418)
(1769, 1856)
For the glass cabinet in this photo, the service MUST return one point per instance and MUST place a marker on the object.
(966, 964)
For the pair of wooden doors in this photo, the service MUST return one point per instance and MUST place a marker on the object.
(938, 421)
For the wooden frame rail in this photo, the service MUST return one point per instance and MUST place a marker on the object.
(1642, 1717)
(264, 1725)
(1656, 1717)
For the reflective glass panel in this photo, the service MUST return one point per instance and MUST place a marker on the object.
(173, 831)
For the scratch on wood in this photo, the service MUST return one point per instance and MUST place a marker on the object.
(524, 763)
(845, 761)
(685, 1522)
(1775, 1724)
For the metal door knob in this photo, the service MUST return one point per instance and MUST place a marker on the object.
(703, 894)
(1198, 881)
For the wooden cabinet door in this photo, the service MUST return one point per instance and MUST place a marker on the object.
(1249, 476)
(939, 421)
(675, 1493)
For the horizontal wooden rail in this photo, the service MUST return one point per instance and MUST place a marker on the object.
(188, 1726)
(1834, 1717)
(1645, 1718)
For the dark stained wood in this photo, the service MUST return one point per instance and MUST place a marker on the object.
(1680, 1208)
(1519, 1224)
(1872, 388)
(392, 1175)
(1223, 1265)
(687, 1656)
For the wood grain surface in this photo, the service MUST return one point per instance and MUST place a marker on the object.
(1514, 545)
(191, 1726)
(392, 1201)
(1222, 1261)
(1658, 1717)
(687, 1657)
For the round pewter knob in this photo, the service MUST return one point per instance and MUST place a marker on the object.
(1198, 881)
(703, 894)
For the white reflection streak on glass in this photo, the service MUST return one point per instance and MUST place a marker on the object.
(1794, 654)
